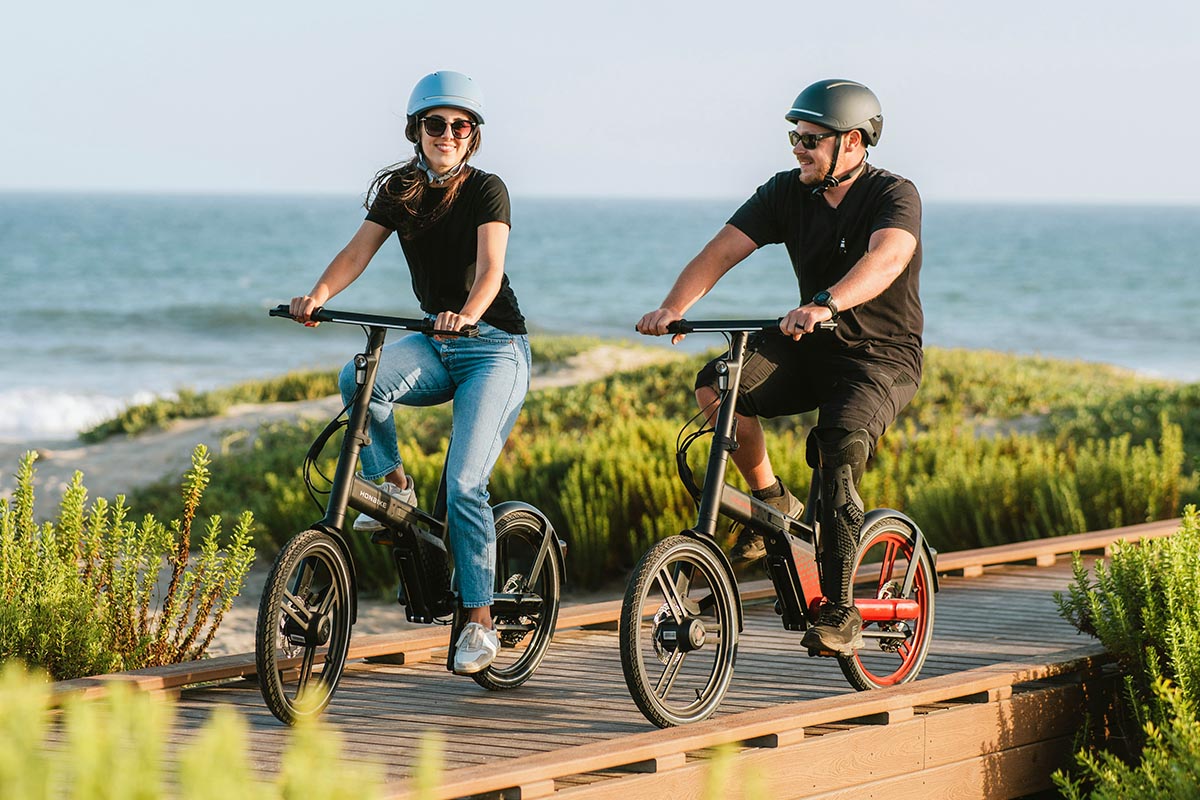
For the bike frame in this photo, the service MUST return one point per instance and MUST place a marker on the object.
(351, 490)
(791, 544)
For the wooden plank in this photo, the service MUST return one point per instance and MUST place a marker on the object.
(741, 727)
(867, 762)
(1055, 545)
(841, 759)
(1007, 774)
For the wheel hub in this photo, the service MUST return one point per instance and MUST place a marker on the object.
(316, 633)
(683, 637)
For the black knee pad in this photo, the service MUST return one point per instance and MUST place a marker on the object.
(843, 458)
(837, 447)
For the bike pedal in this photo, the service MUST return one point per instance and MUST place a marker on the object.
(383, 536)
(816, 652)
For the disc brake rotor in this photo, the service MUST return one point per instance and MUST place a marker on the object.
(514, 585)
(888, 591)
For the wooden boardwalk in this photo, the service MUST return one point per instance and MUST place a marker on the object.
(571, 722)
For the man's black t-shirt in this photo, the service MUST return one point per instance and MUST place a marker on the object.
(824, 243)
(441, 257)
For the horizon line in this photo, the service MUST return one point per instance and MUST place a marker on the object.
(1092, 201)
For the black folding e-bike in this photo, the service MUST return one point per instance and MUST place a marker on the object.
(682, 615)
(309, 605)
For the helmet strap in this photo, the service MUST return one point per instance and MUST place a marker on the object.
(831, 181)
(434, 178)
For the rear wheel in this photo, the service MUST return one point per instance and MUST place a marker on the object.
(893, 652)
(526, 613)
(303, 631)
(679, 632)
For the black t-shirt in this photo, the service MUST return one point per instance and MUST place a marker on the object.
(824, 243)
(441, 257)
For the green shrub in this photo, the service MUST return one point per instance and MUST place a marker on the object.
(1168, 767)
(81, 595)
(114, 748)
(1142, 607)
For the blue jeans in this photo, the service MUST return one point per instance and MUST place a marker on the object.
(487, 377)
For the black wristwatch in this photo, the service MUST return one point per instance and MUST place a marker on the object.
(824, 298)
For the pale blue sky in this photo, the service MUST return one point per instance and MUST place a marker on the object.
(1050, 100)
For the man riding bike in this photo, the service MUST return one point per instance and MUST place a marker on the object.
(853, 234)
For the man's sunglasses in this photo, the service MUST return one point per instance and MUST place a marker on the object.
(809, 140)
(436, 126)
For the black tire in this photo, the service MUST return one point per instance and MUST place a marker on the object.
(524, 637)
(303, 630)
(685, 589)
(883, 556)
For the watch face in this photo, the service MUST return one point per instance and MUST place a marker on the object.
(821, 298)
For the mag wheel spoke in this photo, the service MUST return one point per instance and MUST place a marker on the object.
(671, 592)
(667, 679)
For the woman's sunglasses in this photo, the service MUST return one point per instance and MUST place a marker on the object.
(436, 126)
(809, 140)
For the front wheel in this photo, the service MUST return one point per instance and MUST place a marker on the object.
(526, 604)
(303, 630)
(679, 632)
(893, 652)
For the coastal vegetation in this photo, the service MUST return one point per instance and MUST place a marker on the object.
(94, 591)
(995, 448)
(1142, 607)
(548, 352)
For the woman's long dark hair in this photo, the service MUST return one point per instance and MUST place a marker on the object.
(398, 191)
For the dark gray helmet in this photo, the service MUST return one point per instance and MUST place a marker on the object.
(840, 105)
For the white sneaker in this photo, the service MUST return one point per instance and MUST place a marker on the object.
(365, 522)
(475, 649)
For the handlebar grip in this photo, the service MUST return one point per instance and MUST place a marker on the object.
(468, 331)
(281, 310)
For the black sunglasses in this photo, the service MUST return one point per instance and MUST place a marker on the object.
(809, 140)
(436, 126)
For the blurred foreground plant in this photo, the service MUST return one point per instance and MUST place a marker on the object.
(82, 595)
(114, 747)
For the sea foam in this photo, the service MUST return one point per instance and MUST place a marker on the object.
(32, 414)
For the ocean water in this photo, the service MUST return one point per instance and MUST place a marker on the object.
(111, 299)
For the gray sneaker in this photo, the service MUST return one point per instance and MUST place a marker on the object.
(365, 522)
(838, 629)
(475, 649)
(749, 545)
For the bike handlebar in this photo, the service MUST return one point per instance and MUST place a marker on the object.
(420, 325)
(732, 325)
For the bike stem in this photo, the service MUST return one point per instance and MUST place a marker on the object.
(365, 366)
(729, 377)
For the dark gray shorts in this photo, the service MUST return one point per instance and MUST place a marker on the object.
(852, 389)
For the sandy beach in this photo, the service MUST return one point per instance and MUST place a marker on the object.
(121, 464)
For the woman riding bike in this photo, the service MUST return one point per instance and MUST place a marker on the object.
(452, 221)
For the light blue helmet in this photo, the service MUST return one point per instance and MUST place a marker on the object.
(449, 89)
